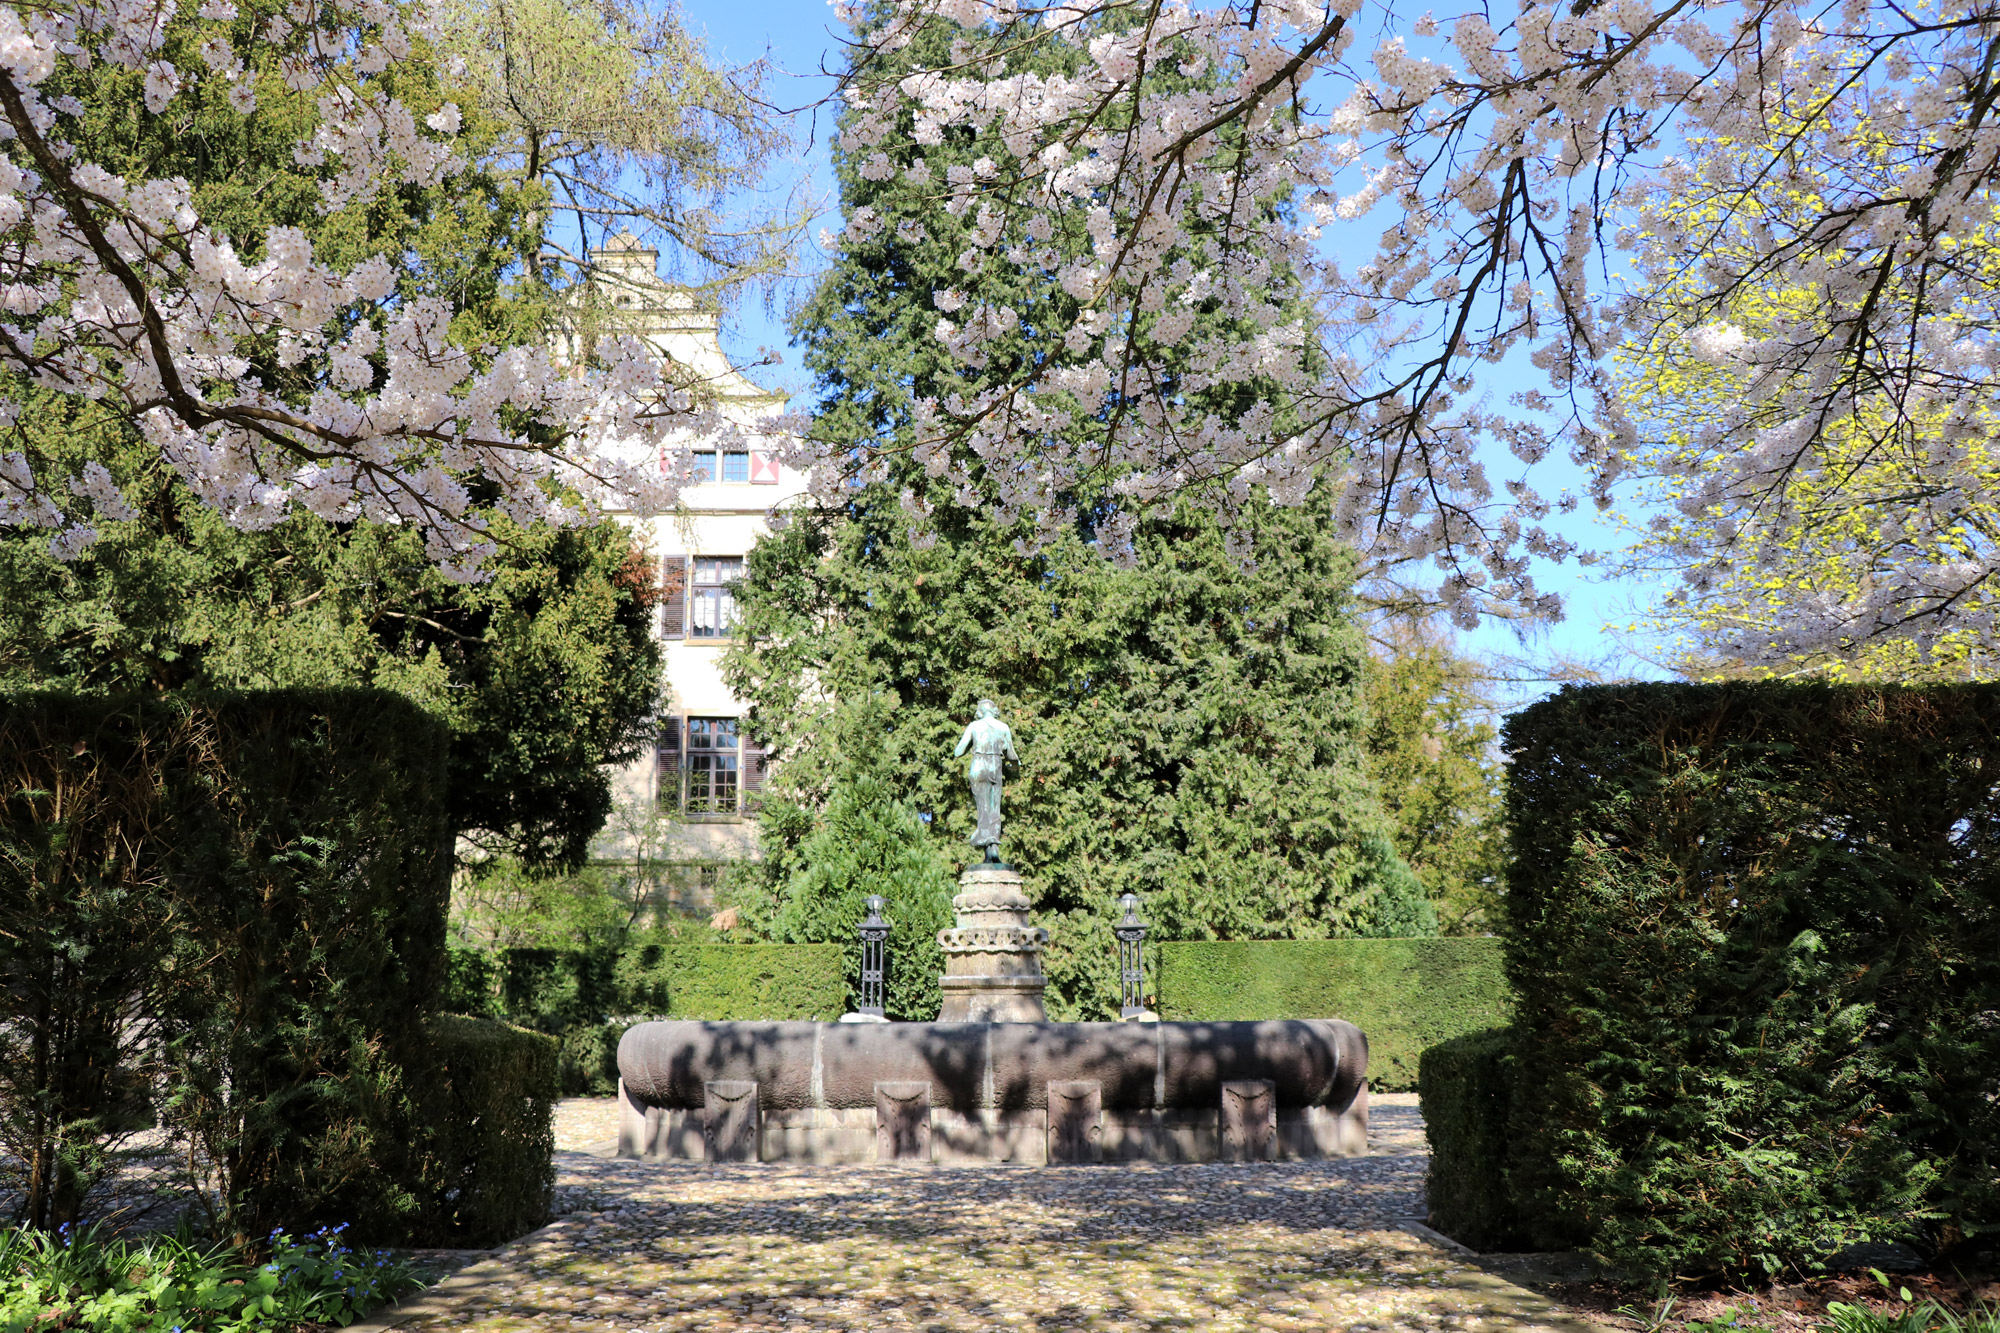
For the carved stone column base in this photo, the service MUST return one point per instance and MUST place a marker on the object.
(992, 956)
(992, 1000)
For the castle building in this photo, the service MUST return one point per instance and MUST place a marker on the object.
(705, 772)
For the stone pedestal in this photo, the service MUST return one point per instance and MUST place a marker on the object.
(992, 957)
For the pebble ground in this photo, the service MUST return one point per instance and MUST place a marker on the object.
(654, 1248)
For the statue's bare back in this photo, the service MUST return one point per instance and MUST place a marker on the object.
(992, 744)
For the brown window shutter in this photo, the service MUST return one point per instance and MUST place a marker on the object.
(667, 760)
(753, 771)
(673, 597)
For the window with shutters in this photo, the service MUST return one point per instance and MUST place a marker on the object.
(712, 603)
(753, 774)
(712, 766)
(731, 465)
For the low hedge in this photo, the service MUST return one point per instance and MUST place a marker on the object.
(587, 998)
(1754, 935)
(1405, 994)
(484, 1102)
(723, 981)
(1466, 1085)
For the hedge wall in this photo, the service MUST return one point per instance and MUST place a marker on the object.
(586, 998)
(1755, 939)
(721, 981)
(1404, 994)
(1466, 1085)
(483, 1113)
(231, 905)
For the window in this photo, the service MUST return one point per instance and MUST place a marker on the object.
(713, 605)
(728, 465)
(707, 767)
(712, 766)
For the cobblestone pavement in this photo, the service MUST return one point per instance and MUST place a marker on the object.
(652, 1248)
(584, 1123)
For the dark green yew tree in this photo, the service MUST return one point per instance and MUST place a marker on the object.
(1190, 726)
(1190, 730)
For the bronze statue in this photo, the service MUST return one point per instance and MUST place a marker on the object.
(991, 742)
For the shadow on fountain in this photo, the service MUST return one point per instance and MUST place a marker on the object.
(1001, 1092)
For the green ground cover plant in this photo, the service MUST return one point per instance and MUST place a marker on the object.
(1896, 1311)
(1405, 994)
(1754, 938)
(1910, 1317)
(1906, 1314)
(87, 1280)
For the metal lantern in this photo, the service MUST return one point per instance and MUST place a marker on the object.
(1131, 933)
(874, 945)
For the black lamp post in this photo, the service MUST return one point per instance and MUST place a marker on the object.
(1131, 933)
(874, 940)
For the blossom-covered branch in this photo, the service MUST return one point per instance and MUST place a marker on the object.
(1207, 146)
(116, 289)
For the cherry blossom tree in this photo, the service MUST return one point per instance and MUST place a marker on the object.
(116, 290)
(1891, 513)
(1512, 156)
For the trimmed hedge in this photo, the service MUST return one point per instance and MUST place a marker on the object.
(237, 900)
(722, 981)
(1755, 939)
(1405, 994)
(1466, 1085)
(587, 998)
(484, 1104)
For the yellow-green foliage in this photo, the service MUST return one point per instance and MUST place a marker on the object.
(1404, 994)
(1844, 515)
(1431, 752)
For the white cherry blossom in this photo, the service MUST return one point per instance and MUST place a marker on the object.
(117, 290)
(1513, 156)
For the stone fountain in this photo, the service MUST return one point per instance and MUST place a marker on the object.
(992, 1080)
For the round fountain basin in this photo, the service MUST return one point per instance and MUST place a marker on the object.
(994, 1091)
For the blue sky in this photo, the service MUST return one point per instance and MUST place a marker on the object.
(800, 35)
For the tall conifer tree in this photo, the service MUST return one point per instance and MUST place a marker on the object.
(869, 840)
(1189, 719)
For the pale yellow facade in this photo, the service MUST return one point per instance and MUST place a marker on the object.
(696, 775)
